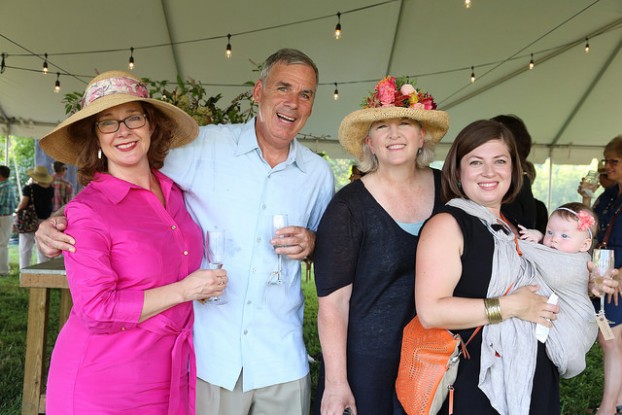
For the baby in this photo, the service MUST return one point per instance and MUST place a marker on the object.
(559, 265)
(570, 229)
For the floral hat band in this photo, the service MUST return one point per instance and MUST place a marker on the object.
(392, 98)
(105, 91)
(584, 219)
(117, 85)
(393, 92)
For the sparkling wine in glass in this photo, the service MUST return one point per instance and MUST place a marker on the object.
(215, 246)
(604, 263)
(278, 221)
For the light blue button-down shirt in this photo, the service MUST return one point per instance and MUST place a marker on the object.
(228, 185)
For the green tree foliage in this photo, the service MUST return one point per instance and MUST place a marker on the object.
(22, 153)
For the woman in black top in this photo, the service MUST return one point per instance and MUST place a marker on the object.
(40, 192)
(365, 248)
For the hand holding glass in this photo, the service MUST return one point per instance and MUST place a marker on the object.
(279, 221)
(590, 183)
(215, 241)
(604, 263)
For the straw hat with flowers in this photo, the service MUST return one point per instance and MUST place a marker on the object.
(392, 98)
(106, 91)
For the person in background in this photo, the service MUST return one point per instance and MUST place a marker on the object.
(608, 208)
(8, 203)
(522, 209)
(366, 242)
(587, 188)
(355, 173)
(542, 214)
(251, 356)
(39, 192)
(63, 189)
(127, 345)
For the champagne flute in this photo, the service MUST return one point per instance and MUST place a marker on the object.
(604, 263)
(215, 251)
(278, 221)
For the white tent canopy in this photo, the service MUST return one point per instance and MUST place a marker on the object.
(571, 101)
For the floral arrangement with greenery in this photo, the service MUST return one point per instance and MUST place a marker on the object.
(398, 92)
(191, 97)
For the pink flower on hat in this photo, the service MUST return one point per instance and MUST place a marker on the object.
(407, 89)
(398, 92)
(387, 89)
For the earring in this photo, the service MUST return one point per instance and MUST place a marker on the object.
(419, 151)
(99, 154)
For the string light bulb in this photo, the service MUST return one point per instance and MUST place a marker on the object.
(228, 50)
(467, 4)
(531, 63)
(3, 64)
(587, 45)
(336, 93)
(338, 27)
(131, 61)
(472, 74)
(45, 64)
(57, 83)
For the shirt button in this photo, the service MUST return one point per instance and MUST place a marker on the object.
(258, 240)
(122, 328)
(185, 252)
(263, 207)
(173, 227)
(245, 332)
(249, 302)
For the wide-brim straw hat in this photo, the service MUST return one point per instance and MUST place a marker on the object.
(355, 126)
(40, 174)
(392, 98)
(108, 90)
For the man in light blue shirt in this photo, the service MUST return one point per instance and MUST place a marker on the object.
(251, 357)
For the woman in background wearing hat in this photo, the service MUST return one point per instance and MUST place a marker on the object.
(365, 248)
(42, 194)
(127, 345)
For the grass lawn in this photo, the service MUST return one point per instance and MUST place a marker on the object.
(578, 394)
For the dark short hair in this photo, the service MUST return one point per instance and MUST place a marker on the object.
(519, 130)
(5, 171)
(288, 57)
(83, 134)
(471, 137)
(59, 166)
(614, 146)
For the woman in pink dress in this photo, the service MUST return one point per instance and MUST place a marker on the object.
(127, 345)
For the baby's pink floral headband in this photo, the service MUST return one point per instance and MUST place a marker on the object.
(586, 221)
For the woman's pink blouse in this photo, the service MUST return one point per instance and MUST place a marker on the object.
(104, 360)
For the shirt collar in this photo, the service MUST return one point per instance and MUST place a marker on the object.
(115, 189)
(248, 142)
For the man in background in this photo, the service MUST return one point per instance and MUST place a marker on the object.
(8, 203)
(63, 190)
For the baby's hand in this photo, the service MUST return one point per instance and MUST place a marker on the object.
(531, 235)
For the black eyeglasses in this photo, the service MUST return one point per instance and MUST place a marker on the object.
(112, 126)
(612, 162)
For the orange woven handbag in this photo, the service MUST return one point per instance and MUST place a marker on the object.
(428, 367)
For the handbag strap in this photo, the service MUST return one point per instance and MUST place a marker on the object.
(607, 235)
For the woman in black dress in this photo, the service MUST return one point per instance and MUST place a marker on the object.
(465, 263)
(365, 248)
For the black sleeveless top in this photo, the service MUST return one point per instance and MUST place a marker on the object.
(476, 274)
